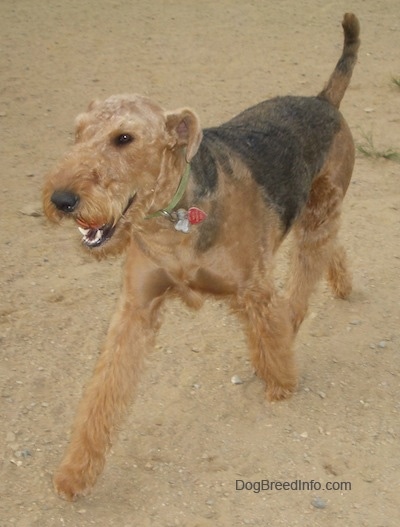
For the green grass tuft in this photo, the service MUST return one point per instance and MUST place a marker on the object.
(368, 149)
(396, 81)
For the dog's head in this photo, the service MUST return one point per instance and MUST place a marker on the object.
(127, 160)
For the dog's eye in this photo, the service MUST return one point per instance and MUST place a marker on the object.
(123, 139)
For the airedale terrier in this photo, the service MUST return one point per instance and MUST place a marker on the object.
(203, 212)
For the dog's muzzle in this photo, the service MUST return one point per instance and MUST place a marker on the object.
(92, 235)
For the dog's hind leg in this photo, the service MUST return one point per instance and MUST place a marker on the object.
(270, 336)
(339, 277)
(315, 249)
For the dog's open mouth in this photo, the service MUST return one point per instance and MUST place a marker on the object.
(93, 236)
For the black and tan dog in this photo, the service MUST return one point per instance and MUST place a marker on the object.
(203, 212)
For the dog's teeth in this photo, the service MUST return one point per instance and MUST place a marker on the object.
(91, 237)
(99, 234)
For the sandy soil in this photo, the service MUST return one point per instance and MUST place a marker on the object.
(192, 433)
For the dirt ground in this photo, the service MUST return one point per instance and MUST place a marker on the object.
(191, 433)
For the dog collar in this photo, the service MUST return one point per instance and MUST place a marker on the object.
(181, 218)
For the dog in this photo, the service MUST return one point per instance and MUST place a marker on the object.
(203, 212)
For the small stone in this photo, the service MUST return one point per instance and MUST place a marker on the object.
(382, 344)
(318, 503)
(33, 210)
(304, 435)
(235, 379)
(355, 322)
(322, 395)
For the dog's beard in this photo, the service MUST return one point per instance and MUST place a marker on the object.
(93, 236)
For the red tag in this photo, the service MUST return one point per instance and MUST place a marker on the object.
(196, 215)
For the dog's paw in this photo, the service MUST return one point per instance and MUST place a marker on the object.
(70, 484)
(276, 392)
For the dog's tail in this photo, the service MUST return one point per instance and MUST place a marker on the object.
(340, 78)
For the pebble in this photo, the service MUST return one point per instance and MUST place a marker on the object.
(382, 344)
(322, 395)
(33, 210)
(235, 379)
(318, 503)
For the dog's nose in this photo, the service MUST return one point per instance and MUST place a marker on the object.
(64, 200)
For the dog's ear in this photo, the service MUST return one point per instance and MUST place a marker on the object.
(80, 124)
(82, 119)
(185, 130)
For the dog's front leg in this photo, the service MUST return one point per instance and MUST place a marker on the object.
(113, 384)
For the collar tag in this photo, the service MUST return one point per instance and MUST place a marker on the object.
(185, 218)
(196, 215)
(182, 221)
